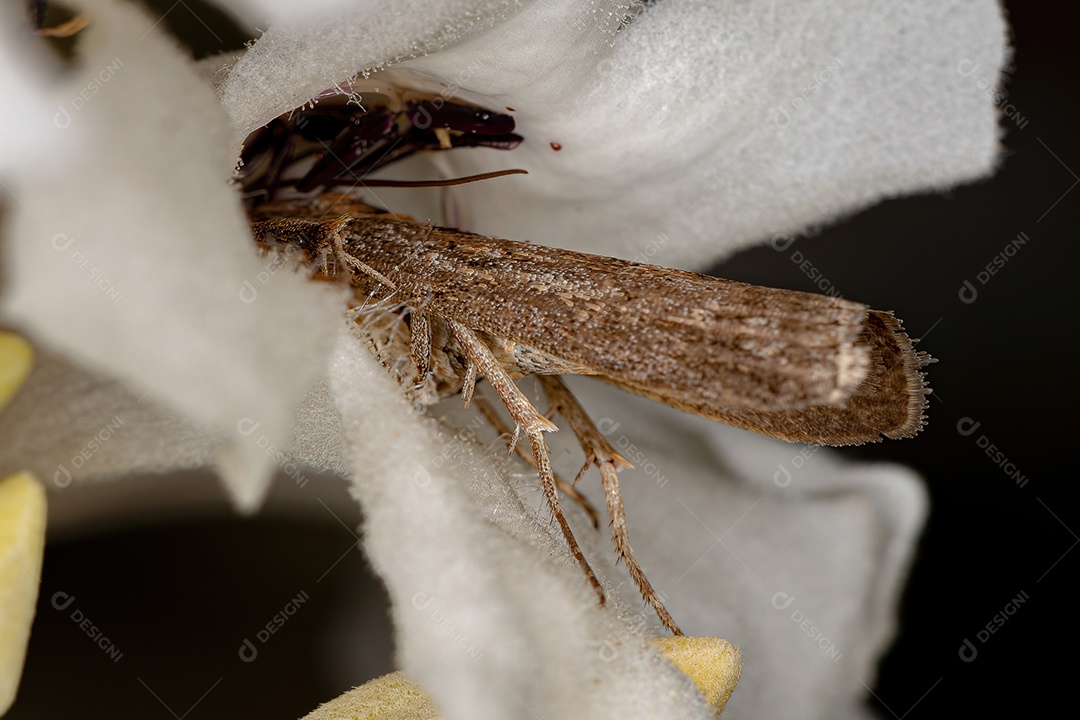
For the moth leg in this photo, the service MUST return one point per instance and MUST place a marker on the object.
(600, 453)
(420, 344)
(527, 419)
(468, 386)
(496, 422)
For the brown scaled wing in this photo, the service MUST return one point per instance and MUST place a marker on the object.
(797, 366)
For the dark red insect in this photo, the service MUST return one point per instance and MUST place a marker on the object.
(347, 141)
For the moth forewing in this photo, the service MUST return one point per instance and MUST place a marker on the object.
(889, 400)
(797, 366)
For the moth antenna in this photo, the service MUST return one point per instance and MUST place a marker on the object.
(444, 183)
(66, 29)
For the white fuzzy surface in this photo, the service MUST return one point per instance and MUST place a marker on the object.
(492, 616)
(745, 551)
(126, 250)
(670, 140)
(719, 123)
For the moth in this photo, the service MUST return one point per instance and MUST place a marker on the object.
(442, 308)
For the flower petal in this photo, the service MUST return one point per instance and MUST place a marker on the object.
(706, 126)
(680, 104)
(493, 617)
(300, 57)
(22, 536)
(16, 360)
(693, 131)
(390, 697)
(783, 549)
(713, 665)
(22, 549)
(124, 247)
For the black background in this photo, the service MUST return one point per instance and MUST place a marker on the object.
(1007, 360)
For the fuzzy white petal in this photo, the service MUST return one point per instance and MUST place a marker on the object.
(26, 120)
(261, 13)
(492, 616)
(754, 540)
(670, 125)
(708, 126)
(697, 129)
(125, 249)
(295, 60)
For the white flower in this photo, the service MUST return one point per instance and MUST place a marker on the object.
(693, 130)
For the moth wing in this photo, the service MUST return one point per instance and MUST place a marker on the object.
(889, 400)
(797, 366)
(793, 365)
